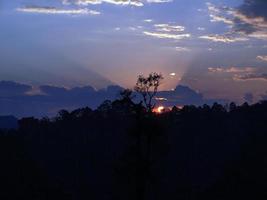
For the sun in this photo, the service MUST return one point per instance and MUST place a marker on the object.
(160, 109)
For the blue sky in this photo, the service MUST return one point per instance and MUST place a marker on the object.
(217, 47)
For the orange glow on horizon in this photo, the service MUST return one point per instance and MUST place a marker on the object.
(159, 109)
(163, 109)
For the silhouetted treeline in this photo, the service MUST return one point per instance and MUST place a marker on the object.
(121, 151)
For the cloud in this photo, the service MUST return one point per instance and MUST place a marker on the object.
(17, 102)
(231, 69)
(216, 14)
(262, 35)
(251, 77)
(131, 28)
(137, 3)
(182, 49)
(216, 18)
(168, 31)
(223, 14)
(159, 1)
(223, 38)
(249, 19)
(169, 28)
(183, 95)
(255, 27)
(116, 2)
(54, 10)
(148, 20)
(17, 99)
(9, 89)
(255, 22)
(212, 8)
(254, 9)
(201, 29)
(240, 73)
(262, 58)
(166, 35)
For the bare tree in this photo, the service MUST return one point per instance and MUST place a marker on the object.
(148, 88)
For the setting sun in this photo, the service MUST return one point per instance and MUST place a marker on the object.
(160, 109)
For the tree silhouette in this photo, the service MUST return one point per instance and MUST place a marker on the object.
(127, 94)
(148, 88)
(118, 151)
(124, 104)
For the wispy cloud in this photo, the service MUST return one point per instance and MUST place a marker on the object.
(250, 77)
(169, 28)
(138, 3)
(262, 35)
(212, 8)
(231, 69)
(148, 20)
(166, 35)
(223, 38)
(116, 2)
(255, 27)
(131, 28)
(240, 73)
(201, 29)
(159, 1)
(262, 58)
(249, 19)
(182, 49)
(168, 31)
(224, 15)
(216, 18)
(216, 14)
(54, 10)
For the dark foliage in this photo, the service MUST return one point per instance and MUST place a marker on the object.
(121, 151)
(8, 122)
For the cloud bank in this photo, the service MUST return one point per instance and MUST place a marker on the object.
(15, 99)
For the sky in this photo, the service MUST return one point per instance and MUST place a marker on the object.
(216, 47)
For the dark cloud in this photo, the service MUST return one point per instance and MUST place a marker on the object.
(50, 99)
(183, 95)
(15, 99)
(251, 17)
(52, 90)
(240, 26)
(254, 8)
(9, 88)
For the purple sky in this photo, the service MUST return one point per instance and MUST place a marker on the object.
(217, 47)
